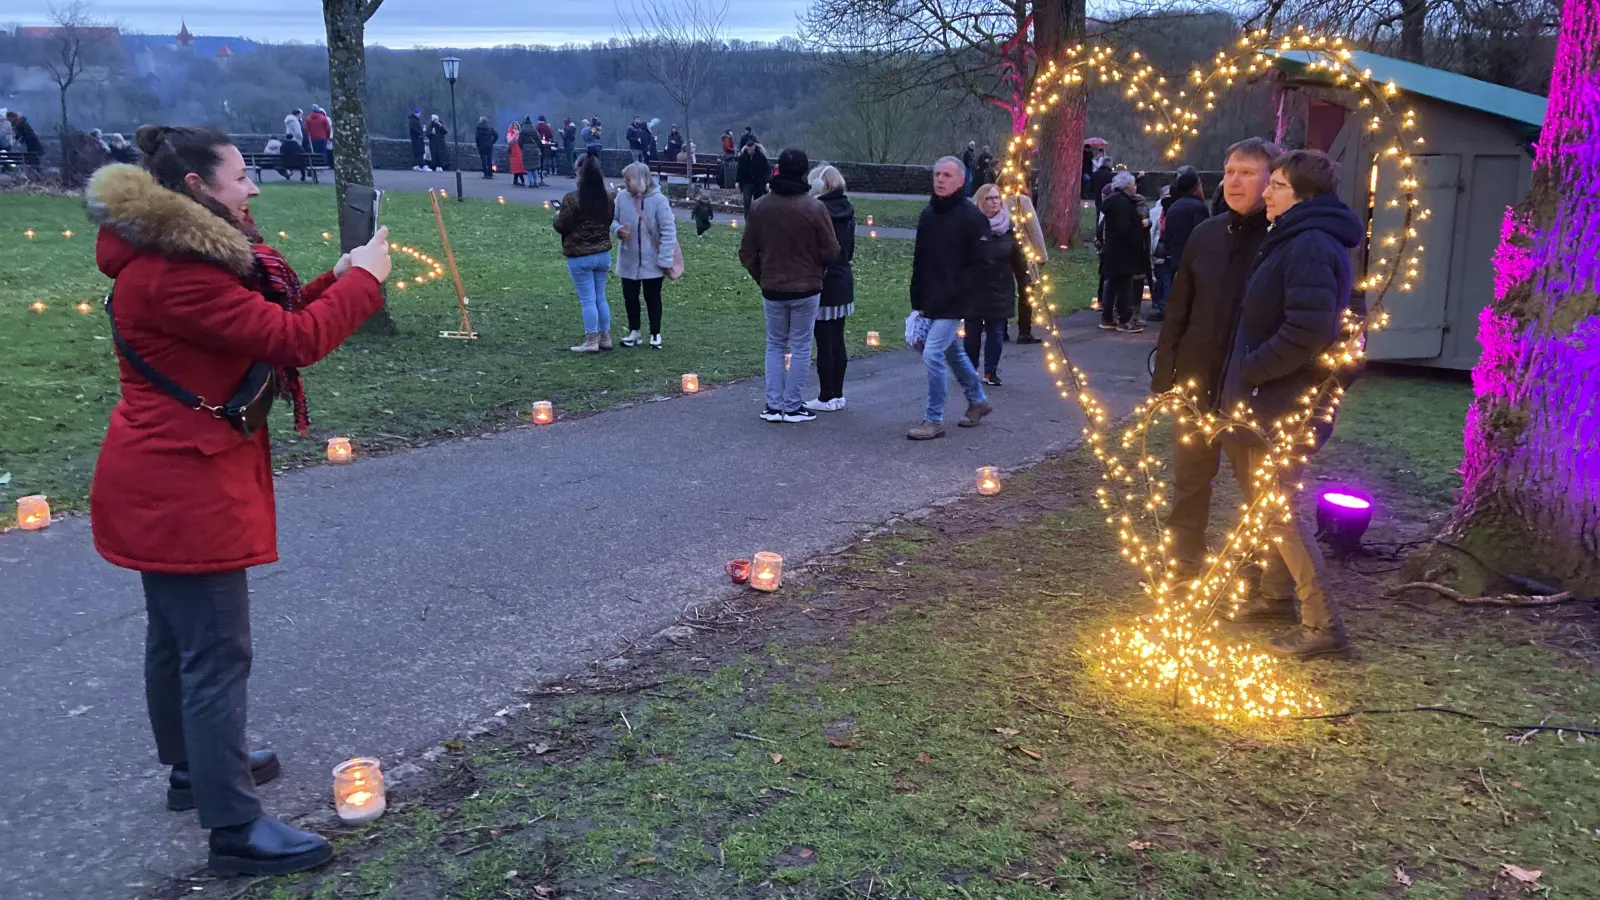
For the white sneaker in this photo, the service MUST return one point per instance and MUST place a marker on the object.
(427, 168)
(820, 405)
(632, 340)
(836, 403)
(416, 168)
(655, 342)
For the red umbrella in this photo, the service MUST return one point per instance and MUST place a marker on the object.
(1096, 142)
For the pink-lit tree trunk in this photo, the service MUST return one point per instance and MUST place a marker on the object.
(1530, 500)
(1058, 25)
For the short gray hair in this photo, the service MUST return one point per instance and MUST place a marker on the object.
(952, 160)
(1123, 180)
(638, 179)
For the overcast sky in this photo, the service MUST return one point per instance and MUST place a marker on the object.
(407, 23)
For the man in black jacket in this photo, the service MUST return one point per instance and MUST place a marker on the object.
(949, 249)
(419, 163)
(485, 137)
(1182, 211)
(638, 138)
(1125, 256)
(1202, 311)
(1290, 315)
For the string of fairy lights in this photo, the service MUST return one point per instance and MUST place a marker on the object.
(1178, 652)
(431, 268)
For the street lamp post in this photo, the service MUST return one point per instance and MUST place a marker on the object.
(452, 70)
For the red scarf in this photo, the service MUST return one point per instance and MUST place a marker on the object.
(281, 285)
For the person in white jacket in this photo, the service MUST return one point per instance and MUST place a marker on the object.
(647, 248)
(294, 128)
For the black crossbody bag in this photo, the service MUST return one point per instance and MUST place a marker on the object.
(246, 410)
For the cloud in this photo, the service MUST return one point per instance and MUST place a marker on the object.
(407, 23)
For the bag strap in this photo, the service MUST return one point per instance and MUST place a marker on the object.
(167, 385)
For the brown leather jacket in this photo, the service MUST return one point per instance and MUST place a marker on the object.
(789, 241)
(583, 235)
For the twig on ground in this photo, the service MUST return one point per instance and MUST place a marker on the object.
(475, 848)
(1505, 814)
(1445, 710)
(1303, 813)
(1513, 600)
(753, 737)
(246, 889)
(625, 720)
(1045, 709)
(500, 828)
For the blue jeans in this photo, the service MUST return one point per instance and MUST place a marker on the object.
(589, 277)
(985, 335)
(1160, 285)
(789, 324)
(941, 349)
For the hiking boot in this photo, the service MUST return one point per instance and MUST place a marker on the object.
(1108, 326)
(927, 431)
(1264, 609)
(992, 379)
(591, 343)
(605, 340)
(975, 414)
(1133, 327)
(1311, 643)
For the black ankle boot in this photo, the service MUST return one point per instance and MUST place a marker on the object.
(180, 791)
(266, 847)
(1264, 609)
(1311, 643)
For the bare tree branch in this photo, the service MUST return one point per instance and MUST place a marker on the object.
(678, 42)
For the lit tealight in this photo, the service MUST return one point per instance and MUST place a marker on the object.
(988, 481)
(691, 383)
(327, 236)
(869, 220)
(85, 308)
(37, 306)
(544, 412)
(33, 512)
(29, 234)
(67, 234)
(502, 201)
(283, 234)
(872, 339)
(339, 450)
(766, 571)
(873, 234)
(734, 223)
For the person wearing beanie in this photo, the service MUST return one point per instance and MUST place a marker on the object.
(419, 161)
(1182, 210)
(787, 246)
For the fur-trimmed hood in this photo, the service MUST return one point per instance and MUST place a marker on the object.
(127, 202)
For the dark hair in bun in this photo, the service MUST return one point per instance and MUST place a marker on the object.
(171, 153)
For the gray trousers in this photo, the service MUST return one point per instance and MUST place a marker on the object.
(196, 667)
(1295, 567)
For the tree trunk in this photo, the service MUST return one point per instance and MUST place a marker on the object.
(1413, 23)
(1058, 166)
(1530, 498)
(346, 22)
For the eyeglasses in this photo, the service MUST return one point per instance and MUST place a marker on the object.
(1279, 185)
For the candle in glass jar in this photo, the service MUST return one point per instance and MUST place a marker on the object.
(872, 339)
(766, 571)
(339, 450)
(869, 220)
(358, 790)
(988, 481)
(691, 383)
(873, 234)
(544, 412)
(33, 512)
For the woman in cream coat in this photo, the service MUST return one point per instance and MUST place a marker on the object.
(647, 242)
(1026, 222)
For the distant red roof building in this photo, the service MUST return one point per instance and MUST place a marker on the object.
(185, 39)
(224, 53)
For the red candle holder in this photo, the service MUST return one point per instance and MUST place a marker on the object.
(738, 570)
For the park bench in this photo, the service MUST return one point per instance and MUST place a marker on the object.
(708, 172)
(272, 162)
(18, 162)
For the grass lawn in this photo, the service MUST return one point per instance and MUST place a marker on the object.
(60, 374)
(917, 721)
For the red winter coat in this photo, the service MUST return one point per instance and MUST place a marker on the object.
(318, 127)
(175, 489)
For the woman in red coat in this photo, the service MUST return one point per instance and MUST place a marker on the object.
(519, 171)
(203, 309)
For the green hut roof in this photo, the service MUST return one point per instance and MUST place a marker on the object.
(1495, 99)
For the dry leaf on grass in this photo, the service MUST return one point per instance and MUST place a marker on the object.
(1031, 754)
(807, 852)
(776, 757)
(840, 743)
(539, 749)
(657, 798)
(543, 891)
(643, 861)
(1139, 845)
(1518, 873)
(924, 758)
(1008, 732)
(511, 874)
(1401, 877)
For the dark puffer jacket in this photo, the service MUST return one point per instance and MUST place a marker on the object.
(1293, 305)
(947, 255)
(839, 281)
(1127, 250)
(1203, 305)
(1002, 263)
(583, 235)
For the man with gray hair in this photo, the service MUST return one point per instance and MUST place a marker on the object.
(950, 238)
(1126, 256)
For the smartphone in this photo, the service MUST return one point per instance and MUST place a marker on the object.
(377, 210)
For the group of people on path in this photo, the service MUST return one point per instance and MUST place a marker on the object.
(307, 139)
(202, 307)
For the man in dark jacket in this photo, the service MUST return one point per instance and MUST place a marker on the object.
(1125, 257)
(418, 139)
(787, 245)
(1202, 308)
(638, 136)
(569, 143)
(1183, 210)
(485, 137)
(26, 137)
(1291, 313)
(749, 137)
(752, 174)
(949, 250)
(436, 143)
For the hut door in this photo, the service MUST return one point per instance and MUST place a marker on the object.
(1416, 317)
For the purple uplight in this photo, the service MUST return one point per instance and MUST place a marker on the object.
(1347, 501)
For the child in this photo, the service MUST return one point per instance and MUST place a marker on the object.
(702, 215)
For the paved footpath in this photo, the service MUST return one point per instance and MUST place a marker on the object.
(418, 591)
